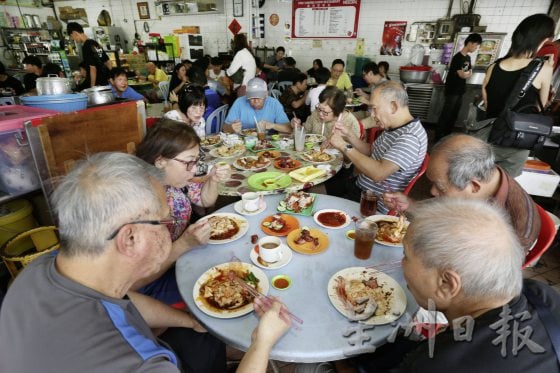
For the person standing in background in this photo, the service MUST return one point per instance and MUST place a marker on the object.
(34, 69)
(460, 70)
(97, 62)
(244, 60)
(529, 36)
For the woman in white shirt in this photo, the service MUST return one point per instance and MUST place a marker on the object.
(243, 59)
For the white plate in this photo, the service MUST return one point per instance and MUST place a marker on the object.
(348, 219)
(377, 218)
(241, 221)
(238, 207)
(239, 167)
(307, 159)
(397, 300)
(286, 258)
(214, 153)
(315, 138)
(212, 272)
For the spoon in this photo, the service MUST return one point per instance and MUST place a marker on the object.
(269, 182)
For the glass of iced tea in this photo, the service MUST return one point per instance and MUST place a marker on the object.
(368, 203)
(366, 230)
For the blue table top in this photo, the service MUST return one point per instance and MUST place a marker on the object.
(326, 334)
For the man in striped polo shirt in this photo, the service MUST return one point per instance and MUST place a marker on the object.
(395, 157)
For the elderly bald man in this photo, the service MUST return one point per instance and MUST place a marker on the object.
(462, 166)
(495, 326)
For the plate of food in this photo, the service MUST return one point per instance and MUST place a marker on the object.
(269, 154)
(314, 138)
(279, 224)
(307, 241)
(299, 203)
(249, 132)
(331, 218)
(308, 173)
(366, 295)
(287, 164)
(228, 151)
(269, 180)
(210, 142)
(251, 163)
(216, 294)
(390, 229)
(316, 157)
(262, 145)
(226, 227)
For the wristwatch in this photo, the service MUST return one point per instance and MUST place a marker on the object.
(348, 148)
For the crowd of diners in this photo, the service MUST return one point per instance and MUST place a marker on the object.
(109, 300)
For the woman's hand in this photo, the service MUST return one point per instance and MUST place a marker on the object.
(273, 323)
(173, 98)
(237, 126)
(295, 122)
(220, 173)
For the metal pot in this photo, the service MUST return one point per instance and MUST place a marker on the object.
(99, 95)
(415, 74)
(53, 85)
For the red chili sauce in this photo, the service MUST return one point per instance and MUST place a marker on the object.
(281, 283)
(331, 219)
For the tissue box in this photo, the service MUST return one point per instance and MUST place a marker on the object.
(539, 182)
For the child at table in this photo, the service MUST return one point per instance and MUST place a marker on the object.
(174, 148)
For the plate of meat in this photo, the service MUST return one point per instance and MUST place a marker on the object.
(307, 241)
(366, 295)
(390, 229)
(287, 164)
(226, 227)
(219, 295)
(251, 163)
(299, 203)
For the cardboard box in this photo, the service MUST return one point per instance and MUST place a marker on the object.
(539, 182)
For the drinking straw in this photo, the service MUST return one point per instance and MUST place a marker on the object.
(257, 124)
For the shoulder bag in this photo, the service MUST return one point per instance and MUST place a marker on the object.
(520, 130)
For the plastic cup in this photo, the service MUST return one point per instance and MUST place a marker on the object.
(368, 203)
(299, 139)
(365, 233)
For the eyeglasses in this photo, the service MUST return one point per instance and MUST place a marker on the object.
(322, 111)
(189, 164)
(167, 221)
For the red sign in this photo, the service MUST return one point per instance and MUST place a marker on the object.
(234, 27)
(320, 19)
(393, 34)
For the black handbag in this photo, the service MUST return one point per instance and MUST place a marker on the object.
(516, 129)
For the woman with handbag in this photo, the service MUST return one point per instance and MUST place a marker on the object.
(243, 64)
(501, 78)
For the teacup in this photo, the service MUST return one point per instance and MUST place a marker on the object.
(251, 201)
(270, 249)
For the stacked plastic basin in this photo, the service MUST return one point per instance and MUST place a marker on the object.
(65, 102)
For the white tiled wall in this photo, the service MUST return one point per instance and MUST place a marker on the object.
(498, 15)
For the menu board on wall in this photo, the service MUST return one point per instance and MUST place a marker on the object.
(325, 18)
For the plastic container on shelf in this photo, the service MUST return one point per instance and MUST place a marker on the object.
(18, 174)
(66, 103)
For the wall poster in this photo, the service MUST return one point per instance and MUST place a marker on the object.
(325, 19)
(393, 34)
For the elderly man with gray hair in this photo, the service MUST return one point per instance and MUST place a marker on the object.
(395, 157)
(73, 312)
(462, 166)
(497, 317)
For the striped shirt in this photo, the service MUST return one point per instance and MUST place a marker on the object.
(404, 146)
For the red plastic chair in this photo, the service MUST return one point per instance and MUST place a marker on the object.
(373, 134)
(421, 172)
(544, 241)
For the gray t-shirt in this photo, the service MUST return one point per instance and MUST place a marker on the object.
(406, 147)
(49, 323)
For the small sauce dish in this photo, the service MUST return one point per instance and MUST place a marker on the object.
(281, 282)
(351, 234)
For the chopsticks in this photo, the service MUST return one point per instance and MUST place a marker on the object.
(385, 267)
(268, 301)
(284, 312)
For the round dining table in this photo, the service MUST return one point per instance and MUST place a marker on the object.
(238, 182)
(325, 334)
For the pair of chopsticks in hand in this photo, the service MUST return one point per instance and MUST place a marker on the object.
(285, 314)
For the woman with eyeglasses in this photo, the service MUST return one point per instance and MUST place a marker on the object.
(191, 106)
(174, 148)
(328, 111)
